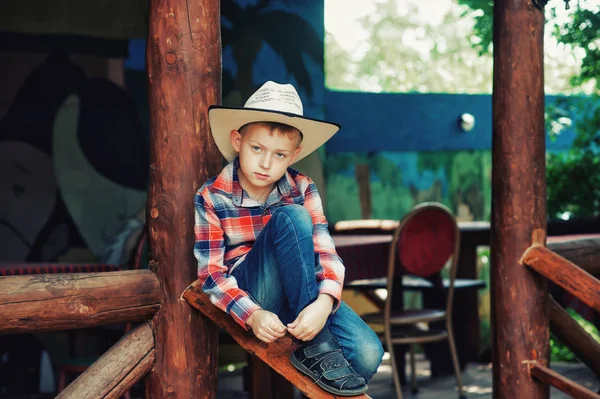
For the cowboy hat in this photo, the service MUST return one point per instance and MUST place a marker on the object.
(272, 102)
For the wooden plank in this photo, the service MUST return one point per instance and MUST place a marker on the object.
(548, 376)
(117, 370)
(184, 76)
(276, 354)
(570, 333)
(585, 253)
(54, 302)
(564, 273)
(520, 320)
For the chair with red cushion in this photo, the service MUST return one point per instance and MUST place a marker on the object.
(425, 242)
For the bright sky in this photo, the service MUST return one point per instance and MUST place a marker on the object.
(341, 18)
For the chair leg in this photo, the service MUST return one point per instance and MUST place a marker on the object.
(62, 381)
(455, 362)
(396, 378)
(413, 371)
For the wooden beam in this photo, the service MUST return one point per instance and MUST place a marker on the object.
(570, 333)
(53, 302)
(585, 253)
(548, 376)
(183, 59)
(276, 355)
(565, 274)
(520, 320)
(117, 370)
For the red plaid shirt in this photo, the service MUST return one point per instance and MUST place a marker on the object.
(228, 222)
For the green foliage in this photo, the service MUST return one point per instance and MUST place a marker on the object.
(559, 352)
(482, 13)
(583, 31)
(573, 178)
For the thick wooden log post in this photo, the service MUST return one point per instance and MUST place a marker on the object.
(570, 333)
(551, 377)
(565, 274)
(184, 77)
(276, 354)
(54, 302)
(117, 370)
(519, 297)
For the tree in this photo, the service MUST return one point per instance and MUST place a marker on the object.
(576, 32)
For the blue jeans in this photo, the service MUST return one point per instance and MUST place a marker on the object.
(279, 273)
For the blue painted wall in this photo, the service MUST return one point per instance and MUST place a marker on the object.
(416, 122)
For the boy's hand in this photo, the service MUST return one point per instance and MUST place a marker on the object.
(266, 326)
(312, 318)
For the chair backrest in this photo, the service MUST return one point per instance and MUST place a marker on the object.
(138, 255)
(425, 240)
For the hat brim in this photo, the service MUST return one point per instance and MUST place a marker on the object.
(224, 119)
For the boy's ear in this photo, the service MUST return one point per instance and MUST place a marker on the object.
(236, 139)
(295, 154)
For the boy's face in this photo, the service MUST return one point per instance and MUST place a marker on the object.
(264, 157)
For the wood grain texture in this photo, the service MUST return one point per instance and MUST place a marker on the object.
(585, 253)
(570, 333)
(54, 302)
(548, 376)
(276, 354)
(565, 274)
(184, 78)
(117, 370)
(520, 318)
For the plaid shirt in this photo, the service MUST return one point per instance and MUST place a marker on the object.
(228, 222)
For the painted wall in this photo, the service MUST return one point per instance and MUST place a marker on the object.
(74, 124)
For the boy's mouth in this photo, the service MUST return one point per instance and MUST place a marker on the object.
(261, 176)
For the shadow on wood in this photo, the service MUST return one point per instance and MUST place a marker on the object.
(276, 354)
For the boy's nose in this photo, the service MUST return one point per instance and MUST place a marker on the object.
(265, 161)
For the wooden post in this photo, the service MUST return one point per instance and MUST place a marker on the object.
(519, 297)
(184, 77)
(54, 302)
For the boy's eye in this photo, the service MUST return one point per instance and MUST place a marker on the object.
(280, 155)
(255, 148)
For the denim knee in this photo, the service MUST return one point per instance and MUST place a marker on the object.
(369, 355)
(294, 215)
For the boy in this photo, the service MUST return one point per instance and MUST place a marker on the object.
(264, 253)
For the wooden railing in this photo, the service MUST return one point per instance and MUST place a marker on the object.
(276, 355)
(57, 302)
(580, 283)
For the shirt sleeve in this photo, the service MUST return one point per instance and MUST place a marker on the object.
(209, 250)
(330, 270)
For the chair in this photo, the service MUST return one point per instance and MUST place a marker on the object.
(422, 244)
(77, 365)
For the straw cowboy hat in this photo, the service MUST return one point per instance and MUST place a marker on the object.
(273, 102)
